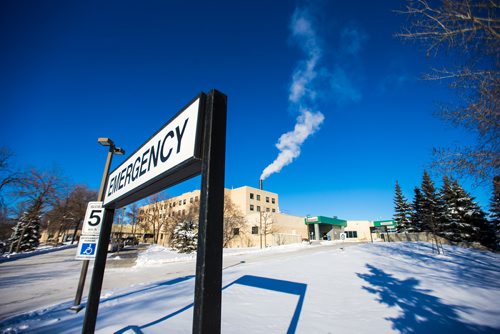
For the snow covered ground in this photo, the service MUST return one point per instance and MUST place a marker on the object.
(368, 288)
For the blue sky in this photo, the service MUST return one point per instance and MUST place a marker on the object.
(73, 72)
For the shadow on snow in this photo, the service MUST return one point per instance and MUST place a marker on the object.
(288, 287)
(421, 312)
(460, 266)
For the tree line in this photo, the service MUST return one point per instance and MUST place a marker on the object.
(449, 212)
(37, 200)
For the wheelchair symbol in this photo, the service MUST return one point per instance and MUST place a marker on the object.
(88, 249)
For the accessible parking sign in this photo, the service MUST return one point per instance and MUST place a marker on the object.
(91, 229)
(87, 247)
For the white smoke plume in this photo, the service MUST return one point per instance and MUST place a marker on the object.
(302, 94)
(289, 143)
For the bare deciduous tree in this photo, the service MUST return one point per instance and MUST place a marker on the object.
(44, 187)
(68, 211)
(133, 216)
(5, 224)
(267, 225)
(7, 176)
(469, 33)
(152, 217)
(234, 221)
(39, 190)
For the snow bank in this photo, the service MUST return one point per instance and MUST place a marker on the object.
(157, 255)
(40, 250)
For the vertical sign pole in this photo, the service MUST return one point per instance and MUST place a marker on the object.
(208, 285)
(98, 273)
(85, 265)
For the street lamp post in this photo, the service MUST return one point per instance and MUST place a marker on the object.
(85, 265)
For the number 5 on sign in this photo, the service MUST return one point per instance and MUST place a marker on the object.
(93, 219)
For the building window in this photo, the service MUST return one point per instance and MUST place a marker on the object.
(251, 207)
(161, 236)
(236, 231)
(351, 234)
(258, 197)
(273, 200)
(267, 209)
(267, 199)
(184, 202)
(180, 202)
(191, 200)
(174, 204)
(196, 199)
(255, 230)
(274, 210)
(258, 208)
(251, 195)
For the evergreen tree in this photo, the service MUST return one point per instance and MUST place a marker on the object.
(26, 233)
(402, 211)
(430, 204)
(449, 220)
(431, 208)
(185, 236)
(473, 225)
(495, 210)
(416, 217)
(464, 205)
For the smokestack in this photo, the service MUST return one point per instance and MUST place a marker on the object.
(260, 184)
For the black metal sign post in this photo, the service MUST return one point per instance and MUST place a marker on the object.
(209, 130)
(208, 285)
(98, 273)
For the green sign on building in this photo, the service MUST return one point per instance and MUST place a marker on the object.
(388, 223)
(325, 220)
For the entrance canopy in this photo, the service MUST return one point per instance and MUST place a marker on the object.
(325, 220)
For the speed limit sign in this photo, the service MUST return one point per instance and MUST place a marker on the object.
(93, 219)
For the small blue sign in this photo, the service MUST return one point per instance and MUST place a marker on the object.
(88, 249)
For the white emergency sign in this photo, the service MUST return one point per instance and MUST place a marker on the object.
(174, 144)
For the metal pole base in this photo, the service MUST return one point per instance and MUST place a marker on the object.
(76, 308)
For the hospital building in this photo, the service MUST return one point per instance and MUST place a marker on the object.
(265, 225)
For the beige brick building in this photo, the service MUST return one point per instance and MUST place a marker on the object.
(251, 200)
(264, 224)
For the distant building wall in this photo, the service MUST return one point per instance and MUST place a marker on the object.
(362, 229)
(251, 200)
(273, 228)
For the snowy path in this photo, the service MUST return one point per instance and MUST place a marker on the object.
(46, 279)
(370, 288)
